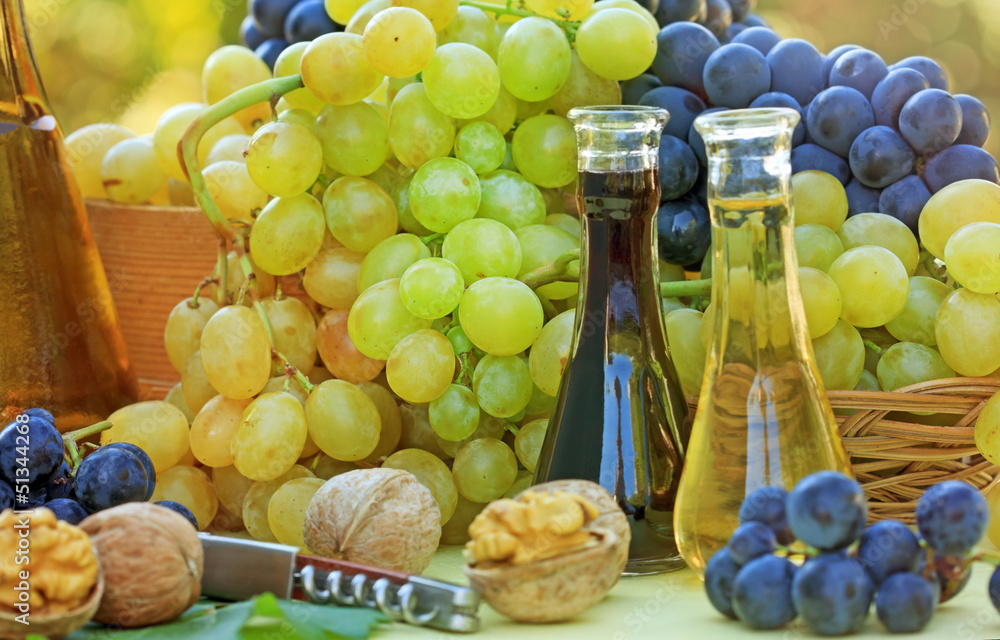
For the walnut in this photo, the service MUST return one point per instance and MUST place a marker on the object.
(382, 517)
(152, 562)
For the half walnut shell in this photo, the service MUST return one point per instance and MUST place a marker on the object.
(53, 625)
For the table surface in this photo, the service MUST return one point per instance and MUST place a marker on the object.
(674, 605)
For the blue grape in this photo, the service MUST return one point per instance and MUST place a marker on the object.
(859, 69)
(144, 460)
(634, 89)
(837, 116)
(60, 484)
(880, 157)
(762, 592)
(861, 199)
(931, 70)
(777, 99)
(832, 594)
(796, 69)
(683, 231)
(67, 510)
(735, 74)
(888, 547)
(960, 162)
(734, 30)
(308, 20)
(905, 200)
(270, 16)
(678, 168)
(930, 121)
(760, 38)
(177, 507)
(832, 57)
(767, 506)
(827, 510)
(682, 105)
(6, 496)
(892, 93)
(741, 9)
(250, 34)
(40, 414)
(812, 157)
(679, 11)
(696, 142)
(109, 477)
(682, 48)
(720, 573)
(751, 540)
(755, 20)
(995, 588)
(38, 446)
(952, 517)
(975, 121)
(270, 50)
(905, 603)
(36, 498)
(718, 17)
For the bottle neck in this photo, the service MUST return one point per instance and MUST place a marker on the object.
(22, 98)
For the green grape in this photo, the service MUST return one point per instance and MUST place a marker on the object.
(987, 433)
(270, 437)
(358, 213)
(973, 257)
(527, 109)
(407, 222)
(439, 12)
(287, 64)
(668, 305)
(550, 352)
(879, 340)
(472, 26)
(363, 15)
(502, 115)
(378, 320)
(443, 193)
(688, 353)
(819, 199)
(915, 323)
(484, 469)
(343, 420)
(816, 246)
(481, 146)
(230, 148)
(459, 340)
(482, 248)
(195, 386)
(868, 382)
(390, 176)
(390, 259)
(158, 428)
(540, 404)
(454, 415)
(236, 352)
(182, 334)
(213, 428)
(258, 498)
(564, 9)
(489, 427)
(431, 288)
(820, 299)
(630, 5)
(286, 511)
(130, 172)
(418, 132)
(968, 332)
(86, 147)
(501, 316)
(573, 226)
(284, 159)
(334, 68)
(287, 234)
(176, 397)
(233, 191)
(907, 363)
(502, 385)
(542, 244)
(430, 472)
(300, 117)
(294, 331)
(421, 366)
(873, 285)
(399, 42)
(508, 161)
(229, 69)
(528, 442)
(461, 80)
(882, 231)
(341, 11)
(617, 44)
(955, 206)
(584, 88)
(544, 149)
(354, 138)
(840, 356)
(508, 198)
(523, 482)
(331, 279)
(456, 530)
(534, 59)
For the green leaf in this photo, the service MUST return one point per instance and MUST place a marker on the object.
(219, 623)
(356, 624)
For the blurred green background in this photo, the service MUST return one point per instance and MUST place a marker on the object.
(127, 60)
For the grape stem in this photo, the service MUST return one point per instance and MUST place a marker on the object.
(547, 307)
(874, 347)
(70, 439)
(293, 372)
(686, 288)
(194, 304)
(570, 27)
(222, 293)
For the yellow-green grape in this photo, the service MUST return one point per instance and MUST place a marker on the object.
(502, 115)
(987, 433)
(192, 488)
(257, 498)
(158, 428)
(407, 222)
(906, 363)
(430, 472)
(174, 123)
(288, 234)
(534, 59)
(230, 147)
(86, 148)
(176, 397)
(284, 159)
(233, 191)
(443, 193)
(544, 149)
(270, 436)
(508, 198)
(502, 385)
(456, 530)
(439, 12)
(328, 467)
(229, 69)
(550, 352)
(564, 9)
(235, 352)
(955, 206)
(528, 442)
(418, 132)
(501, 316)
(915, 323)
(294, 331)
(454, 415)
(819, 198)
(817, 246)
(481, 146)
(542, 244)
(973, 257)
(461, 80)
(343, 420)
(301, 117)
(617, 44)
(399, 42)
(335, 69)
(873, 285)
(195, 386)
(231, 489)
(993, 502)
(820, 299)
(840, 356)
(359, 214)
(968, 332)
(584, 88)
(287, 64)
(688, 353)
(213, 428)
(331, 279)
(630, 5)
(421, 366)
(286, 510)
(431, 288)
(390, 176)
(338, 352)
(484, 469)
(540, 405)
(182, 334)
(523, 481)
(354, 138)
(130, 172)
(341, 11)
(359, 21)
(527, 109)
(883, 231)
(472, 26)
(488, 427)
(389, 415)
(483, 248)
(390, 259)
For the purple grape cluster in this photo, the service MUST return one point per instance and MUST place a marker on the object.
(272, 25)
(848, 567)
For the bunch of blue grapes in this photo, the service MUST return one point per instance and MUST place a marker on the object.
(848, 566)
(272, 25)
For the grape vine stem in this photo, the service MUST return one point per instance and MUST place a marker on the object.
(70, 439)
(570, 27)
